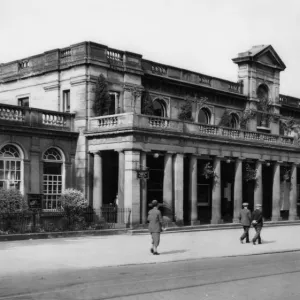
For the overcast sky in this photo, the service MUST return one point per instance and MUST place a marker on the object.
(200, 35)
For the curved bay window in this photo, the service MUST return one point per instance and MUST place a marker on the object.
(11, 168)
(204, 116)
(53, 178)
(159, 108)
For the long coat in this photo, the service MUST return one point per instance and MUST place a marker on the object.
(245, 217)
(155, 220)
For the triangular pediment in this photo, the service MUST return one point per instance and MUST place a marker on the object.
(269, 57)
(263, 54)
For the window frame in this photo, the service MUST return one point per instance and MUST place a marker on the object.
(66, 100)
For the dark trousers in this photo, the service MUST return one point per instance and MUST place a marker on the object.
(246, 233)
(155, 238)
(257, 234)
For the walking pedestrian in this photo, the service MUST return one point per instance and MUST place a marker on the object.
(155, 226)
(257, 222)
(245, 218)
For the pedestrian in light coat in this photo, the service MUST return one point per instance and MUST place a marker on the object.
(257, 222)
(155, 226)
(245, 219)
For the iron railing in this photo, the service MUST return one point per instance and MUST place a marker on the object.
(55, 221)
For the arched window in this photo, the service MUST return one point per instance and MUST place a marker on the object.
(11, 168)
(159, 108)
(234, 121)
(204, 116)
(53, 178)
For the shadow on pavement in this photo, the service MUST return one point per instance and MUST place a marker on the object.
(173, 252)
(268, 242)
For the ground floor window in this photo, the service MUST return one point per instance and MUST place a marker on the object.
(10, 168)
(52, 179)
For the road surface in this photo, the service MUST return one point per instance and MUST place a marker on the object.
(268, 276)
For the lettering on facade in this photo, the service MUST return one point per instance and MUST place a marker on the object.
(34, 201)
(142, 174)
(204, 79)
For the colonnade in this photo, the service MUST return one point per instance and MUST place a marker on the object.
(132, 191)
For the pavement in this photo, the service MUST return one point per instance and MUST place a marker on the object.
(78, 253)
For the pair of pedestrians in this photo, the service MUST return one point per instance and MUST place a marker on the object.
(255, 219)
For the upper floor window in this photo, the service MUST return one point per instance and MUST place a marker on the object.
(204, 116)
(234, 121)
(114, 104)
(159, 108)
(66, 101)
(23, 101)
(10, 167)
(53, 178)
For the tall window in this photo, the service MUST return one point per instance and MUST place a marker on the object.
(159, 108)
(204, 116)
(52, 178)
(114, 104)
(234, 121)
(23, 102)
(66, 101)
(10, 168)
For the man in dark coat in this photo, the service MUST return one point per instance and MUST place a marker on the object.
(155, 226)
(257, 222)
(245, 217)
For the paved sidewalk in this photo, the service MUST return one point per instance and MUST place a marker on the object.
(87, 252)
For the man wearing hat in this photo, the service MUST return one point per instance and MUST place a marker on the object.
(245, 217)
(155, 226)
(257, 222)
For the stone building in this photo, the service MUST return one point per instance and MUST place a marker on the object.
(206, 144)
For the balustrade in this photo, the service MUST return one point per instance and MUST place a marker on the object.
(53, 119)
(12, 114)
(108, 122)
(208, 129)
(157, 122)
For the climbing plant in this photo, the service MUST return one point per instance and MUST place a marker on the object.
(147, 104)
(226, 119)
(103, 100)
(185, 113)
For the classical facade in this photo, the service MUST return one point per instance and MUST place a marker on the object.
(198, 144)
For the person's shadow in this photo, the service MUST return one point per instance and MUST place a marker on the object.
(173, 252)
(267, 242)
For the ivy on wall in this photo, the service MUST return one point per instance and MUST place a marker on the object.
(103, 100)
(226, 119)
(185, 113)
(147, 104)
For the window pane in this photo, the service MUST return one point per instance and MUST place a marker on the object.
(1, 164)
(202, 118)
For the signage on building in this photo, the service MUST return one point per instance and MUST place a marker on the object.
(34, 201)
(142, 174)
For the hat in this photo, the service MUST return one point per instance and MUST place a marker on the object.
(245, 204)
(154, 203)
(258, 205)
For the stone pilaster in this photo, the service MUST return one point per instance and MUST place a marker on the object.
(178, 188)
(258, 189)
(121, 173)
(144, 189)
(98, 183)
(132, 189)
(276, 193)
(193, 190)
(238, 190)
(293, 194)
(168, 188)
(216, 193)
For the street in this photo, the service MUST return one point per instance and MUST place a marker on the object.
(192, 265)
(274, 276)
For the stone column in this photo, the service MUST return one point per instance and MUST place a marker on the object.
(121, 173)
(98, 183)
(276, 193)
(238, 190)
(216, 193)
(178, 188)
(132, 189)
(293, 194)
(258, 189)
(144, 189)
(193, 190)
(168, 188)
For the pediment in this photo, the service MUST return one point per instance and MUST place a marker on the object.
(262, 54)
(270, 58)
